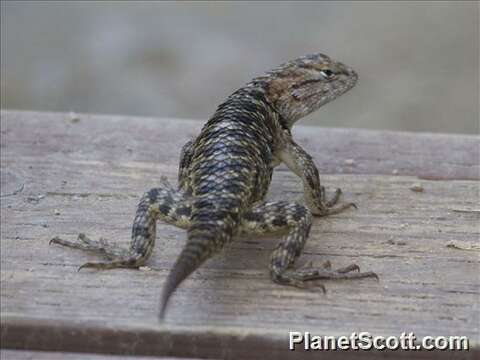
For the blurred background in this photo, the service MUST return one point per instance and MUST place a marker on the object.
(417, 61)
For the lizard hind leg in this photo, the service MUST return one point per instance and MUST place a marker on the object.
(159, 203)
(296, 220)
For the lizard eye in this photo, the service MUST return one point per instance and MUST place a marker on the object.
(327, 73)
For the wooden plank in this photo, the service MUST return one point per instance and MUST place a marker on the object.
(158, 141)
(87, 175)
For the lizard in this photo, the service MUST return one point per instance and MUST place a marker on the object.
(224, 175)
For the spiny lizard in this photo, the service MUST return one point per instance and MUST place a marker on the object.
(224, 175)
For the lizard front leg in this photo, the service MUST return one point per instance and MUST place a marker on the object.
(163, 203)
(301, 163)
(296, 221)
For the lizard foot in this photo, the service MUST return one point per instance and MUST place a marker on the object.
(335, 210)
(131, 262)
(328, 204)
(301, 276)
(336, 196)
(119, 258)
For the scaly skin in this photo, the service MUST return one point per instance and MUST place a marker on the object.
(224, 175)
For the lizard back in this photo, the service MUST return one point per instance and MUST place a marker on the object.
(230, 170)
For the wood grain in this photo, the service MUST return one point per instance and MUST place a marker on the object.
(87, 175)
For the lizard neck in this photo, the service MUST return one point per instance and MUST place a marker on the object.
(256, 93)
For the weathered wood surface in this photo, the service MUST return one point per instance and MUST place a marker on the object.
(64, 174)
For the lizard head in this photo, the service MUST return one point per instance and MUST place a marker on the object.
(301, 86)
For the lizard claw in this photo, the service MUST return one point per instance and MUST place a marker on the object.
(86, 265)
(54, 240)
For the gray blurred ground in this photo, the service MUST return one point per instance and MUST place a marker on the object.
(417, 61)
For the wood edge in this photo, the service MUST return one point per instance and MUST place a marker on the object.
(164, 340)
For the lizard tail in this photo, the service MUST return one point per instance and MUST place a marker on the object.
(210, 230)
(189, 260)
(182, 268)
